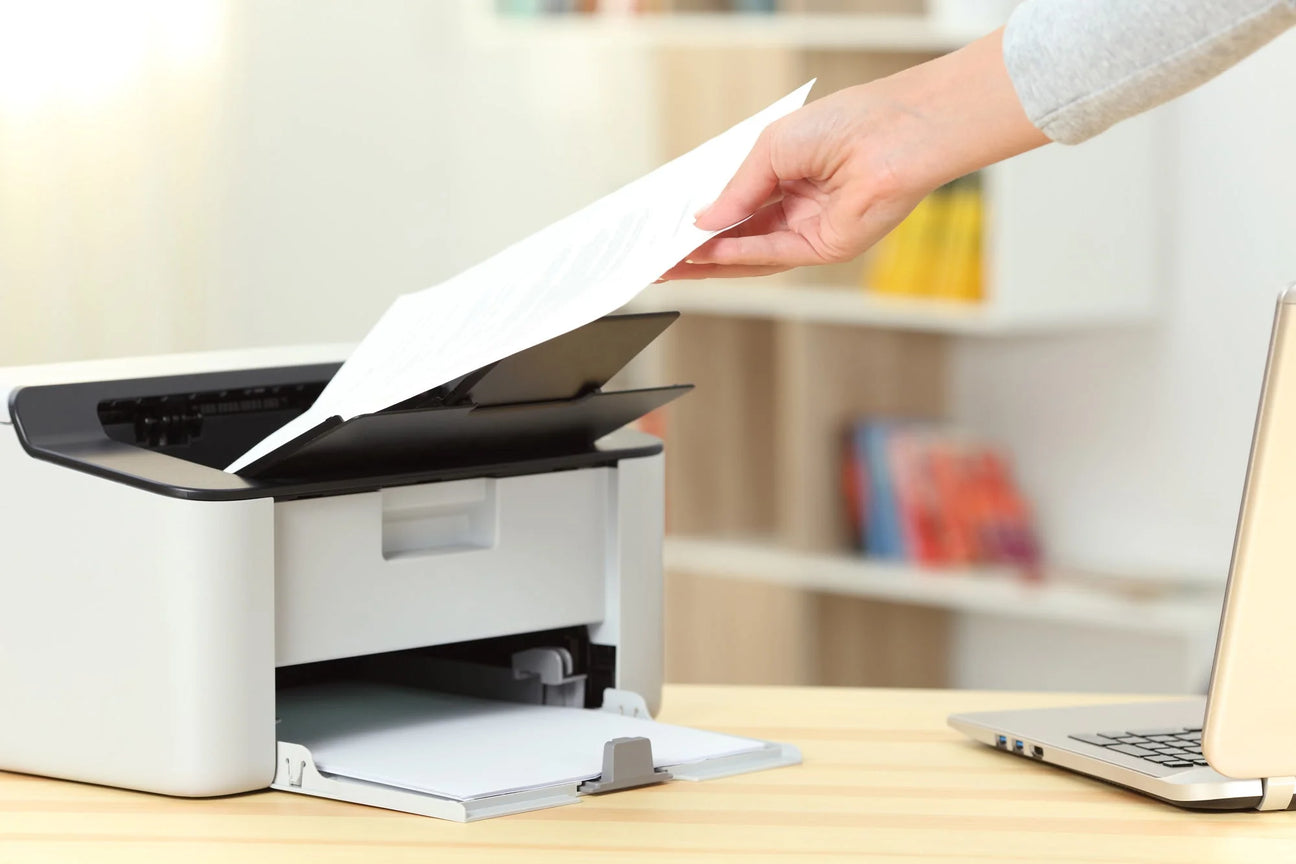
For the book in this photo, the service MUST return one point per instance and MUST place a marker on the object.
(927, 494)
(936, 251)
(881, 527)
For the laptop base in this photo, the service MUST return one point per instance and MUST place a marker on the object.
(1046, 735)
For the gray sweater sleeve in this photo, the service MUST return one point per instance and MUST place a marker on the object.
(1081, 65)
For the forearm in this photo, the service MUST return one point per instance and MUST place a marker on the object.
(826, 182)
(1079, 67)
(956, 114)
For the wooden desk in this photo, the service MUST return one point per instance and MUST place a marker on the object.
(884, 780)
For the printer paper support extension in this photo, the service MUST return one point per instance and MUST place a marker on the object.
(627, 763)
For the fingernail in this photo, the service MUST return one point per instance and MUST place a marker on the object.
(689, 261)
(658, 281)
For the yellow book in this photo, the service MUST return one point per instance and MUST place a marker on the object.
(881, 274)
(947, 263)
(971, 286)
(958, 274)
(924, 258)
(895, 271)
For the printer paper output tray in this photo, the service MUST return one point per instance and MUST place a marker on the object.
(466, 759)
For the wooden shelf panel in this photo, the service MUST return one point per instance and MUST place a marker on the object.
(1000, 591)
(882, 33)
(768, 298)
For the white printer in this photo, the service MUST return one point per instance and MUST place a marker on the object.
(495, 541)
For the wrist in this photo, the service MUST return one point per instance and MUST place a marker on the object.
(956, 114)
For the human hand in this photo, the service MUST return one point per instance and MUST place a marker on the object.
(817, 188)
(828, 181)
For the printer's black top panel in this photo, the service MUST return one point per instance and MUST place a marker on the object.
(172, 435)
(60, 423)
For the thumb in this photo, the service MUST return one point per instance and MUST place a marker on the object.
(749, 189)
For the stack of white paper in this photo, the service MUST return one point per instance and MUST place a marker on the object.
(568, 274)
(464, 748)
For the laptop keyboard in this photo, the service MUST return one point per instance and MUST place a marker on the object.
(1178, 747)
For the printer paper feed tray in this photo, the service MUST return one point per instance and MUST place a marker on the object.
(462, 758)
(545, 400)
(393, 441)
(564, 367)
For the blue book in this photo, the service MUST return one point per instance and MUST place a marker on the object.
(882, 519)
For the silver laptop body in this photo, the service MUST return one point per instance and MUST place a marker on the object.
(1236, 748)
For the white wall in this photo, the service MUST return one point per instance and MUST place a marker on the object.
(380, 148)
(108, 147)
(1134, 443)
(323, 157)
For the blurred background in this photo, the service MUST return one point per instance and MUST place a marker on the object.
(1003, 449)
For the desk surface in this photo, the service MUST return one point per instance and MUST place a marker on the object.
(884, 780)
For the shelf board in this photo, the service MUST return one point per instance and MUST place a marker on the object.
(990, 590)
(768, 297)
(898, 33)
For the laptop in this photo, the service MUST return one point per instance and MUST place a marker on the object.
(1234, 749)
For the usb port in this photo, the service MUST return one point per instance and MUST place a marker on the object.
(1002, 742)
(1019, 746)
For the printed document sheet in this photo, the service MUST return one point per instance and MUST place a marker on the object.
(564, 276)
(464, 748)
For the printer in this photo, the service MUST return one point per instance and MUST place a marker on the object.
(496, 540)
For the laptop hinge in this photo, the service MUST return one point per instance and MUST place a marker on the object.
(1278, 792)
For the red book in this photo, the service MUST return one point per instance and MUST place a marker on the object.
(914, 495)
(1020, 544)
(854, 490)
(955, 537)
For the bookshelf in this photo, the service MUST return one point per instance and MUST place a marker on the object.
(783, 364)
